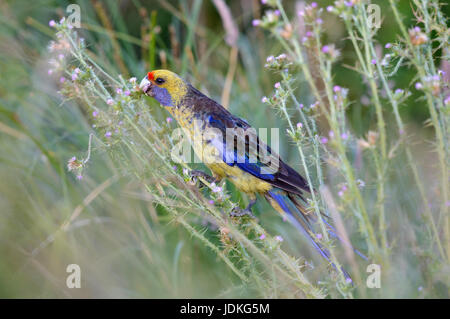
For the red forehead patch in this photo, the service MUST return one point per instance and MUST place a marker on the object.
(150, 76)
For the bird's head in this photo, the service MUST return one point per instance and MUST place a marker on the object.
(165, 86)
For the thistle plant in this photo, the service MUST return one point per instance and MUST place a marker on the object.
(414, 50)
(90, 175)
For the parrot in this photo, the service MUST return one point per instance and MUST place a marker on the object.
(254, 168)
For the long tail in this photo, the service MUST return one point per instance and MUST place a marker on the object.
(297, 215)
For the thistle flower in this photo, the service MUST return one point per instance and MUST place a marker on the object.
(73, 164)
(447, 100)
(417, 37)
(256, 22)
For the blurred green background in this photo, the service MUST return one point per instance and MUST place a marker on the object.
(125, 246)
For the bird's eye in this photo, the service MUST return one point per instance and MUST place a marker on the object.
(160, 81)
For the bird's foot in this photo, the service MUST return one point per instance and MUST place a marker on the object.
(195, 174)
(239, 212)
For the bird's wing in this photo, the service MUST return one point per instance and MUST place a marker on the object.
(241, 146)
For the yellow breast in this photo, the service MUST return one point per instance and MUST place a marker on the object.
(207, 152)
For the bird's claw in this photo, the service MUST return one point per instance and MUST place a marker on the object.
(195, 174)
(239, 212)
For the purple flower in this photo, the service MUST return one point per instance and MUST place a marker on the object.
(349, 3)
(74, 76)
(256, 22)
(80, 177)
(169, 120)
(62, 79)
(52, 23)
(119, 91)
(398, 91)
(49, 72)
(94, 114)
(447, 100)
(277, 85)
(264, 1)
(301, 105)
(262, 236)
(331, 134)
(110, 101)
(216, 189)
(417, 29)
(319, 21)
(324, 140)
(348, 280)
(326, 49)
(279, 238)
(340, 193)
(277, 13)
(127, 92)
(300, 13)
(211, 202)
(388, 46)
(314, 4)
(108, 134)
(344, 136)
(418, 86)
(319, 236)
(374, 61)
(264, 99)
(309, 34)
(336, 88)
(60, 56)
(330, 8)
(299, 125)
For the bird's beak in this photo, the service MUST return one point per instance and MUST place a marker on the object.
(146, 86)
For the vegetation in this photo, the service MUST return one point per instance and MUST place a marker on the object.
(88, 175)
